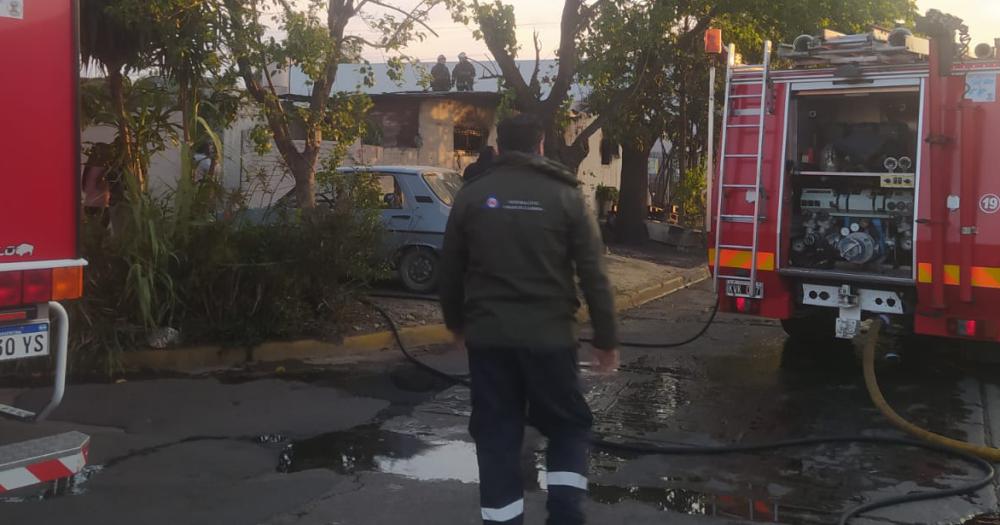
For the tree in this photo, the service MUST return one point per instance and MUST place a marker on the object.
(651, 51)
(315, 40)
(110, 40)
(496, 23)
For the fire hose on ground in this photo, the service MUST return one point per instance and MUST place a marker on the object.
(980, 457)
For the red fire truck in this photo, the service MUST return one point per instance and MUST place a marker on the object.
(40, 262)
(858, 180)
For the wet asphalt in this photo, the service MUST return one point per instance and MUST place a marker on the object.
(378, 442)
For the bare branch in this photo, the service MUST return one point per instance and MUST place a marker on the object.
(410, 15)
(569, 29)
(538, 60)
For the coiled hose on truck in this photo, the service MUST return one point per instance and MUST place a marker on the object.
(980, 457)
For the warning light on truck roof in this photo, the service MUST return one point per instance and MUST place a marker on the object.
(713, 41)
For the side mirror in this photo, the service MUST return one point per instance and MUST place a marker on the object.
(390, 200)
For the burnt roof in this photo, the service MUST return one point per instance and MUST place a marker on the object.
(469, 97)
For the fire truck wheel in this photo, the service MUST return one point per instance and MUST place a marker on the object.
(418, 270)
(815, 327)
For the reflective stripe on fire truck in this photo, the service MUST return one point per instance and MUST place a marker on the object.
(741, 259)
(42, 460)
(982, 277)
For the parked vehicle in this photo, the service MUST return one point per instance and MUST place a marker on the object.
(415, 207)
(858, 183)
(416, 202)
(40, 260)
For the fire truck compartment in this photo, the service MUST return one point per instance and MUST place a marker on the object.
(852, 180)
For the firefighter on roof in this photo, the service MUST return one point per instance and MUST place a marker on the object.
(441, 77)
(464, 73)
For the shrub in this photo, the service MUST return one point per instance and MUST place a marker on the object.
(607, 194)
(179, 262)
(690, 197)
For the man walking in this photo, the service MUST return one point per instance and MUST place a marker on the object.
(517, 238)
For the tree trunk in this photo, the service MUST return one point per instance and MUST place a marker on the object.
(129, 152)
(685, 126)
(630, 226)
(569, 155)
(304, 173)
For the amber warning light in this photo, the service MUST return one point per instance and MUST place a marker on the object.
(713, 41)
(38, 286)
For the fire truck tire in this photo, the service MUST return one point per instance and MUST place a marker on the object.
(418, 270)
(815, 327)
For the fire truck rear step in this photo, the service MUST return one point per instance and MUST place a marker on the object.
(16, 413)
(833, 275)
(42, 460)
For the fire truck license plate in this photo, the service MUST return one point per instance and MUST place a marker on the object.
(22, 341)
(742, 289)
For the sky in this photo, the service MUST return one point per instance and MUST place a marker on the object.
(982, 16)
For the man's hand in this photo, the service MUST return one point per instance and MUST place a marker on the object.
(607, 361)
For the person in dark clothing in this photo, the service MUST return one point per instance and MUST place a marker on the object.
(464, 73)
(517, 239)
(483, 163)
(441, 78)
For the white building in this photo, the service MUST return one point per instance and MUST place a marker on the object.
(416, 127)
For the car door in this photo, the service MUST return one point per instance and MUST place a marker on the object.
(397, 211)
(434, 193)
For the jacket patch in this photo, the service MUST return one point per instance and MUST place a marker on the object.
(492, 203)
(523, 205)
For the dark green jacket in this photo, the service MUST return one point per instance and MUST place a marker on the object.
(517, 238)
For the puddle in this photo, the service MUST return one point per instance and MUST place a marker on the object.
(351, 451)
(444, 461)
(695, 503)
(372, 449)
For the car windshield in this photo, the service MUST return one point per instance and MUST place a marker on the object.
(444, 184)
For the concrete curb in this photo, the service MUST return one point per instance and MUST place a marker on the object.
(193, 359)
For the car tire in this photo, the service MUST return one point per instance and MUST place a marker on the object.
(418, 270)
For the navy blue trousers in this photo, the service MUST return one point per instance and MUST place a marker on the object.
(512, 387)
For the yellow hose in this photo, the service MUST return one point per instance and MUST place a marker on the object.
(988, 453)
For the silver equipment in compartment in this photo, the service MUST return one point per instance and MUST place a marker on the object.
(858, 228)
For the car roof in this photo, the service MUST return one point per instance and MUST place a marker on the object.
(395, 170)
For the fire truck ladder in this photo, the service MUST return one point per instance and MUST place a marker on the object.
(722, 216)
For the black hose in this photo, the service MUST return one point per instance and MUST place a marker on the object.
(695, 337)
(630, 344)
(692, 450)
(456, 379)
(403, 295)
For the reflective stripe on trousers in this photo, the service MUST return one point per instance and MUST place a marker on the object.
(505, 514)
(566, 479)
(512, 387)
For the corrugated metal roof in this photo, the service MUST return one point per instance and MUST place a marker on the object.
(350, 78)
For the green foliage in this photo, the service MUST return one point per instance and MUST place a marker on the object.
(307, 43)
(689, 197)
(506, 106)
(315, 38)
(178, 262)
(649, 75)
(606, 193)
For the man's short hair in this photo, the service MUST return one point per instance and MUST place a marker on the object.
(522, 133)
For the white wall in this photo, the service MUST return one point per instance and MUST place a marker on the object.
(164, 167)
(592, 173)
